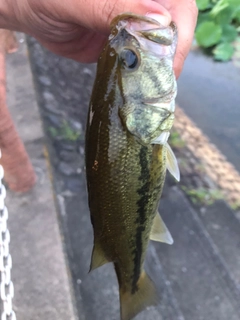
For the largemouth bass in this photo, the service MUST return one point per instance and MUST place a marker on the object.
(131, 113)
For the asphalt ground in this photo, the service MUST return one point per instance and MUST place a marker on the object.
(209, 94)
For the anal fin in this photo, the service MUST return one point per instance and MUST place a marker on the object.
(159, 231)
(98, 257)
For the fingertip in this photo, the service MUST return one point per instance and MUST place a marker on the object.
(178, 63)
(177, 69)
(184, 14)
(110, 9)
(164, 20)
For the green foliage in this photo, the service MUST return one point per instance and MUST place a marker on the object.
(203, 4)
(208, 34)
(175, 140)
(218, 26)
(68, 133)
(203, 196)
(64, 132)
(223, 51)
(235, 205)
(53, 132)
(229, 33)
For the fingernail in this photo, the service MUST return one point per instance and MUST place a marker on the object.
(163, 20)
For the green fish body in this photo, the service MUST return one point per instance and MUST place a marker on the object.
(130, 115)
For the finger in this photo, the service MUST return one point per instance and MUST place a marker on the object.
(85, 48)
(184, 14)
(97, 15)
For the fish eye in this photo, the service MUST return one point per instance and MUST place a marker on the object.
(129, 59)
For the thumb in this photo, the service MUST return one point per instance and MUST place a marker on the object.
(97, 14)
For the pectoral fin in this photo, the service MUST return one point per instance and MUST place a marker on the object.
(162, 139)
(159, 231)
(98, 257)
(172, 164)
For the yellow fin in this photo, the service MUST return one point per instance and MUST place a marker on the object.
(172, 164)
(98, 257)
(159, 231)
(133, 303)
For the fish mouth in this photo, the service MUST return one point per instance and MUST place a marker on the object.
(143, 22)
(147, 27)
(152, 30)
(150, 34)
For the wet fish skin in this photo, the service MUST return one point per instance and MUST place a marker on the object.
(125, 170)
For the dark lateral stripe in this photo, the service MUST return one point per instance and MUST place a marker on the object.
(154, 79)
(142, 203)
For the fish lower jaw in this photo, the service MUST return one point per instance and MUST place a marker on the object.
(162, 139)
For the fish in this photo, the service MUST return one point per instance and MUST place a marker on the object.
(131, 113)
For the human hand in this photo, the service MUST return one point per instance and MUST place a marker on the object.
(184, 13)
(78, 29)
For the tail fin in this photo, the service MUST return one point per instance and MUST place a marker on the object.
(133, 303)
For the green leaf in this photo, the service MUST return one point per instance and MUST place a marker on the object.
(223, 52)
(236, 14)
(208, 34)
(225, 16)
(229, 33)
(203, 16)
(220, 5)
(234, 3)
(203, 4)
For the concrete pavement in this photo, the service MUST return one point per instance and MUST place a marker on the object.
(40, 269)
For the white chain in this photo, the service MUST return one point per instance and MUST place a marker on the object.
(6, 285)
